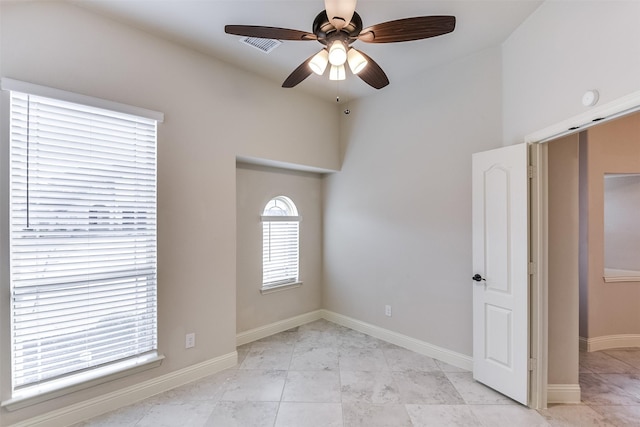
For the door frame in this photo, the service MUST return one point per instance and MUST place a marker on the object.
(539, 232)
(538, 286)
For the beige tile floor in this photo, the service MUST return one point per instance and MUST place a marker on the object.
(322, 374)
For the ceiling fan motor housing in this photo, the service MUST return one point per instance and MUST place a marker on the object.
(323, 28)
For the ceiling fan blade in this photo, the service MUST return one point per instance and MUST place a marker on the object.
(268, 32)
(299, 74)
(402, 30)
(372, 74)
(340, 12)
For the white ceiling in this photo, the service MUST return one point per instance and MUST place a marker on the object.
(199, 24)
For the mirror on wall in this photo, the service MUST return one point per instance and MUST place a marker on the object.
(622, 227)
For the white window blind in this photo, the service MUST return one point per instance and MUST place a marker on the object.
(83, 238)
(280, 240)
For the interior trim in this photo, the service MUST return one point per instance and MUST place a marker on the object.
(278, 288)
(90, 378)
(599, 114)
(613, 275)
(257, 161)
(539, 279)
(582, 344)
(619, 279)
(563, 393)
(609, 342)
(595, 115)
(273, 328)
(111, 401)
(421, 347)
(49, 92)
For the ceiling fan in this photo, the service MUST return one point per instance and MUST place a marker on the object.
(337, 27)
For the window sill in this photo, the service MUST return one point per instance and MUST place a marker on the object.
(614, 279)
(279, 288)
(56, 388)
(613, 275)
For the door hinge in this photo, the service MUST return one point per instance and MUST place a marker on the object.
(533, 363)
(531, 172)
(531, 268)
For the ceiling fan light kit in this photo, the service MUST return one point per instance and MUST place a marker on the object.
(319, 62)
(337, 72)
(337, 53)
(337, 27)
(356, 60)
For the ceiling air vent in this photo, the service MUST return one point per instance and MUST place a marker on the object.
(264, 45)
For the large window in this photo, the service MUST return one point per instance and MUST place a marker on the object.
(280, 241)
(83, 241)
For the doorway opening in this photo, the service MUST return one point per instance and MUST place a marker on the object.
(563, 260)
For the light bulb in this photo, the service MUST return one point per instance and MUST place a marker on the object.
(337, 53)
(319, 62)
(337, 72)
(357, 61)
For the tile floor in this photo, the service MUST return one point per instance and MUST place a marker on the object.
(322, 374)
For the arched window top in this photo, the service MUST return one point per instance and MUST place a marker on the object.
(280, 206)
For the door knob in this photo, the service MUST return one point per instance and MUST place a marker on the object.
(478, 278)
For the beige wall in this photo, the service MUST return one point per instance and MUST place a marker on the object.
(398, 214)
(255, 186)
(206, 105)
(611, 308)
(563, 259)
(560, 51)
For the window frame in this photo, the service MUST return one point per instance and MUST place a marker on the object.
(41, 391)
(284, 217)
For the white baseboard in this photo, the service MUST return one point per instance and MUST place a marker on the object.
(276, 327)
(111, 401)
(421, 347)
(583, 344)
(93, 407)
(563, 393)
(609, 342)
(444, 355)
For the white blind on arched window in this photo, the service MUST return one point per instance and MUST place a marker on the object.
(279, 250)
(83, 237)
(280, 241)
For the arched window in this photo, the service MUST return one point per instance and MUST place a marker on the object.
(280, 241)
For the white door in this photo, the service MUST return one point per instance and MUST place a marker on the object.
(500, 266)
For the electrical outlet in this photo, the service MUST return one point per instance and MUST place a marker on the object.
(387, 310)
(190, 340)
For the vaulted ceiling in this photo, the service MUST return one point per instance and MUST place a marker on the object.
(199, 24)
